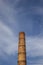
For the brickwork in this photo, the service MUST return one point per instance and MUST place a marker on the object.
(21, 49)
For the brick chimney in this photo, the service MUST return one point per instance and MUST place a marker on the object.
(21, 49)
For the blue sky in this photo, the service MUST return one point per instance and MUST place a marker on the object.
(17, 16)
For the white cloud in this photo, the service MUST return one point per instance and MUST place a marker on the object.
(8, 40)
(34, 46)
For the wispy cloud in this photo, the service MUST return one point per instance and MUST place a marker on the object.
(8, 40)
(35, 46)
(7, 15)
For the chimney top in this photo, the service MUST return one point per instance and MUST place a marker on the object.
(21, 35)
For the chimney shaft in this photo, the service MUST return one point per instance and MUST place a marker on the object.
(21, 49)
